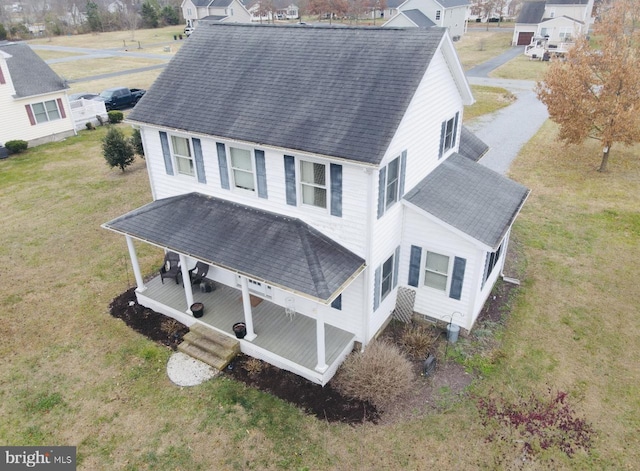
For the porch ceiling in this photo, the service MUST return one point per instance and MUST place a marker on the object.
(265, 246)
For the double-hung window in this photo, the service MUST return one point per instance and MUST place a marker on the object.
(313, 183)
(183, 156)
(393, 180)
(45, 111)
(387, 278)
(436, 272)
(242, 169)
(391, 183)
(448, 135)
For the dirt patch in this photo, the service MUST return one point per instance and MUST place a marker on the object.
(434, 392)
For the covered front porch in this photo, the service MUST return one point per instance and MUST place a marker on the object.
(288, 341)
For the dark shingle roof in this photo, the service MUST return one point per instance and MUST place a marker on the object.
(419, 18)
(471, 198)
(567, 2)
(338, 92)
(452, 3)
(531, 12)
(279, 250)
(29, 73)
(471, 146)
(212, 3)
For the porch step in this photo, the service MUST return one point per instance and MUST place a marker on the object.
(209, 346)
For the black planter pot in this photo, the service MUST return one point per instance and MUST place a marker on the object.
(197, 309)
(240, 329)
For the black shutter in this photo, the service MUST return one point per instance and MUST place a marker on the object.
(376, 288)
(336, 190)
(403, 171)
(261, 174)
(222, 165)
(290, 178)
(396, 266)
(443, 133)
(197, 152)
(414, 266)
(168, 164)
(457, 278)
(455, 130)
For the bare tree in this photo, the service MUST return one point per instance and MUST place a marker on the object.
(595, 93)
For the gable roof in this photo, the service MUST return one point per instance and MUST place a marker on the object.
(452, 3)
(531, 12)
(29, 73)
(471, 146)
(471, 198)
(418, 18)
(339, 92)
(265, 246)
(212, 3)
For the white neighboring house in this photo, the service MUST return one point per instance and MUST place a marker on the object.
(215, 11)
(556, 20)
(282, 10)
(321, 204)
(33, 101)
(450, 14)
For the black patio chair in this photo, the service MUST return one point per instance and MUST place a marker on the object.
(198, 273)
(171, 267)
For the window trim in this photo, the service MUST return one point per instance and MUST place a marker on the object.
(232, 170)
(175, 156)
(448, 274)
(46, 112)
(326, 187)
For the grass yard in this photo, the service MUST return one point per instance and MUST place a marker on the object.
(114, 39)
(81, 68)
(521, 68)
(73, 375)
(478, 45)
(488, 100)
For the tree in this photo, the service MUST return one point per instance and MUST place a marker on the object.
(136, 143)
(3, 32)
(595, 93)
(329, 8)
(149, 15)
(169, 16)
(117, 150)
(93, 17)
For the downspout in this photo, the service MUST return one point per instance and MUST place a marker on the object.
(368, 305)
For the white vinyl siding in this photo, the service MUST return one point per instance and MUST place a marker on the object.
(182, 156)
(313, 183)
(242, 169)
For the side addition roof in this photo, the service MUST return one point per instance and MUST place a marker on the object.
(29, 73)
(471, 198)
(471, 146)
(531, 12)
(282, 251)
(453, 3)
(339, 92)
(420, 19)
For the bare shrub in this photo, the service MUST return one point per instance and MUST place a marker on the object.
(379, 374)
(417, 340)
(253, 366)
(171, 326)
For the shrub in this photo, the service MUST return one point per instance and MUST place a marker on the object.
(90, 126)
(253, 366)
(379, 375)
(417, 340)
(115, 116)
(117, 149)
(16, 146)
(136, 143)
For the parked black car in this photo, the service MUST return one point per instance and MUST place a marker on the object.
(120, 97)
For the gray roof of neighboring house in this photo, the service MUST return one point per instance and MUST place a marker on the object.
(212, 3)
(531, 12)
(420, 19)
(471, 146)
(268, 247)
(471, 198)
(452, 3)
(567, 2)
(29, 73)
(213, 18)
(338, 92)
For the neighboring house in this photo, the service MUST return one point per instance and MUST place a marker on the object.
(33, 102)
(281, 10)
(556, 20)
(450, 14)
(333, 201)
(214, 11)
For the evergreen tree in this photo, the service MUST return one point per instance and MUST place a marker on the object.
(93, 17)
(149, 15)
(136, 143)
(117, 150)
(169, 16)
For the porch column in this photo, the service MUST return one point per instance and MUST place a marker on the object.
(246, 304)
(186, 281)
(136, 266)
(321, 367)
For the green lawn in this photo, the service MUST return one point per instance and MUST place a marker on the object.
(478, 45)
(488, 100)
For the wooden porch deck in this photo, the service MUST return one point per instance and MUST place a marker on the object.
(293, 339)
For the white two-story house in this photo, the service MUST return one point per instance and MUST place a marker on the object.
(215, 11)
(315, 185)
(33, 101)
(450, 14)
(556, 20)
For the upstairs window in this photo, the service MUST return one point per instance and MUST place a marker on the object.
(183, 156)
(242, 169)
(393, 176)
(313, 182)
(438, 13)
(448, 134)
(391, 183)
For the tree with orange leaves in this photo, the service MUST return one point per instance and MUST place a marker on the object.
(595, 92)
